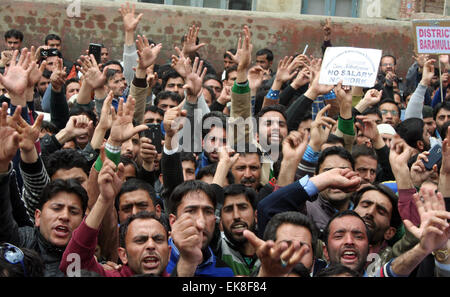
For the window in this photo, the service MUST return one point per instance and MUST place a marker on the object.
(344, 8)
(223, 4)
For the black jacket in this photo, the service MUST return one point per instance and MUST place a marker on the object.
(26, 237)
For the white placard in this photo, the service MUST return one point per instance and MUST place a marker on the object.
(433, 40)
(354, 66)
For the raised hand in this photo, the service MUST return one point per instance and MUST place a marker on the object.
(337, 178)
(9, 139)
(272, 254)
(130, 21)
(93, 77)
(327, 29)
(255, 77)
(320, 129)
(173, 121)
(110, 178)
(122, 127)
(287, 69)
(190, 45)
(316, 89)
(147, 53)
(16, 78)
(368, 127)
(243, 55)
(194, 78)
(303, 77)
(179, 63)
(36, 72)
(148, 153)
(373, 97)
(225, 95)
(187, 236)
(28, 134)
(421, 59)
(227, 155)
(434, 230)
(344, 98)
(107, 112)
(428, 72)
(418, 172)
(294, 146)
(58, 77)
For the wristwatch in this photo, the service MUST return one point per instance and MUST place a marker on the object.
(441, 255)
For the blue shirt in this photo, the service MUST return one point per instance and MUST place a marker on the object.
(209, 268)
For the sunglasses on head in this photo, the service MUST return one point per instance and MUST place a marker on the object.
(12, 255)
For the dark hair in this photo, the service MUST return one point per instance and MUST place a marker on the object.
(334, 139)
(188, 156)
(215, 119)
(294, 218)
(50, 127)
(390, 101)
(213, 77)
(110, 73)
(211, 93)
(128, 161)
(51, 37)
(336, 269)
(186, 187)
(231, 50)
(445, 105)
(66, 159)
(396, 219)
(389, 56)
(64, 185)
(334, 150)
(142, 215)
(276, 107)
(167, 95)
(238, 189)
(134, 184)
(229, 70)
(155, 109)
(411, 130)
(170, 73)
(267, 52)
(32, 261)
(363, 150)
(80, 109)
(71, 80)
(373, 110)
(348, 212)
(47, 74)
(210, 170)
(443, 130)
(14, 33)
(112, 62)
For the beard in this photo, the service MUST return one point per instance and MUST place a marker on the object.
(240, 240)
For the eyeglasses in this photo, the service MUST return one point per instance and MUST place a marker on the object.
(13, 255)
(387, 64)
(392, 112)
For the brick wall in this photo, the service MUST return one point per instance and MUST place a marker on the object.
(285, 34)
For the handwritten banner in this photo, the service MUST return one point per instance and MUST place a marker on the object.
(354, 66)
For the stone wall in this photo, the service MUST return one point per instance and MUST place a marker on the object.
(284, 33)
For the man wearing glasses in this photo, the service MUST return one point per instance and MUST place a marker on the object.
(390, 112)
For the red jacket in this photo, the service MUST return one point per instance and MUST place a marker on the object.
(83, 243)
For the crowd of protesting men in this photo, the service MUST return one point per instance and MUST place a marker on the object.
(327, 181)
